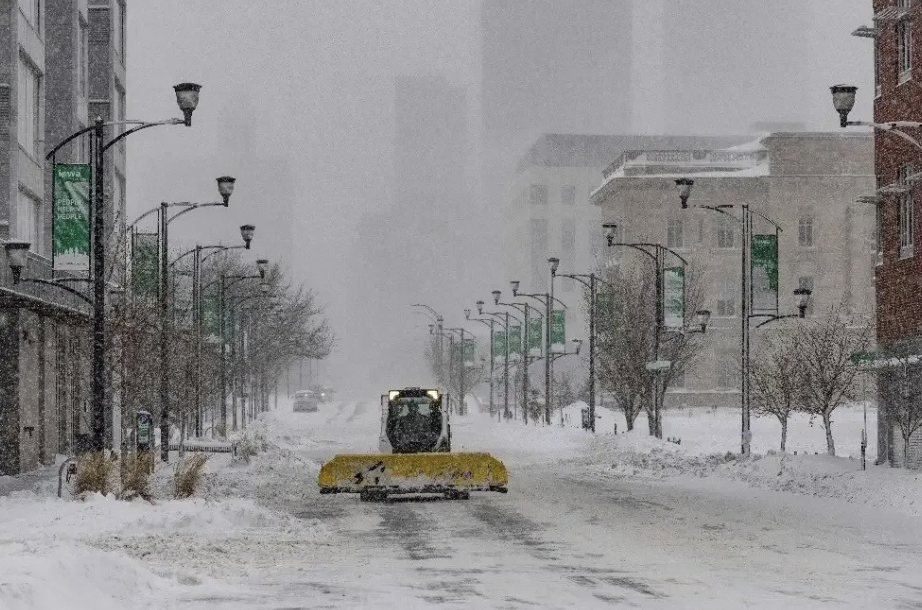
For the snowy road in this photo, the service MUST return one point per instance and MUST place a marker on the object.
(563, 538)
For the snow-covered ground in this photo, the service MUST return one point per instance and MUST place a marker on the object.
(611, 521)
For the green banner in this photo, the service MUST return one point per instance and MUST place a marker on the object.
(674, 297)
(211, 316)
(764, 273)
(535, 336)
(558, 327)
(71, 210)
(145, 262)
(470, 352)
(515, 340)
(499, 344)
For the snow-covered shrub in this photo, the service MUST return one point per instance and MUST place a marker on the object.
(96, 472)
(187, 476)
(136, 471)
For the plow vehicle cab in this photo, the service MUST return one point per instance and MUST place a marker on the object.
(415, 455)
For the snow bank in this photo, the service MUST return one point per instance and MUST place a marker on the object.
(639, 455)
(42, 576)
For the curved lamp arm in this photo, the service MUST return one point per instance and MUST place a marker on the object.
(74, 292)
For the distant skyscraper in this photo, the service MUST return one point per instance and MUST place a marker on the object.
(548, 66)
(719, 67)
(416, 244)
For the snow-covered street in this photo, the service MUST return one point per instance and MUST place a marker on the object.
(568, 534)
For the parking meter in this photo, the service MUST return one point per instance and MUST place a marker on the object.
(144, 437)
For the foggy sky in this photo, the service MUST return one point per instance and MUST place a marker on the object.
(318, 77)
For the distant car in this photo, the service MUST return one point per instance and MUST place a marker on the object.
(306, 402)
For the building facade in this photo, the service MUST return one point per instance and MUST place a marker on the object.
(805, 182)
(898, 45)
(54, 58)
(549, 212)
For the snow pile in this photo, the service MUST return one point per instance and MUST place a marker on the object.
(43, 576)
(639, 455)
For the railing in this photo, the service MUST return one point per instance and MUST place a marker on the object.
(39, 267)
(692, 159)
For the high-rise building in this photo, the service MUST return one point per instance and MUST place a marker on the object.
(548, 66)
(716, 67)
(415, 248)
(66, 61)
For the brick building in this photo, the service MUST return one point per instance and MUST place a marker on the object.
(898, 45)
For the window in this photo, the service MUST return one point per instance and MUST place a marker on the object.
(29, 108)
(568, 249)
(726, 307)
(807, 282)
(876, 66)
(907, 215)
(120, 112)
(118, 19)
(904, 45)
(568, 195)
(538, 194)
(83, 43)
(725, 234)
(675, 234)
(878, 233)
(32, 9)
(28, 220)
(725, 373)
(540, 273)
(805, 231)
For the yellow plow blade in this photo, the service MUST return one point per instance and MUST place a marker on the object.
(413, 473)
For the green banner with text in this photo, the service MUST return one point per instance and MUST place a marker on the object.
(764, 273)
(499, 344)
(211, 316)
(470, 352)
(674, 297)
(558, 327)
(535, 336)
(145, 263)
(515, 340)
(71, 210)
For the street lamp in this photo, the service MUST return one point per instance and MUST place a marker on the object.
(548, 300)
(17, 253)
(246, 231)
(187, 99)
(843, 100)
(491, 322)
(226, 188)
(507, 414)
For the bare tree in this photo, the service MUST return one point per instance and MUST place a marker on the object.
(777, 380)
(825, 350)
(902, 394)
(626, 339)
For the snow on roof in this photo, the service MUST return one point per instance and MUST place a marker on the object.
(753, 146)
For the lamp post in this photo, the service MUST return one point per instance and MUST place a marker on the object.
(526, 344)
(745, 221)
(439, 322)
(547, 299)
(490, 322)
(591, 285)
(507, 413)
(187, 97)
(659, 257)
(225, 190)
(462, 409)
(246, 232)
(262, 265)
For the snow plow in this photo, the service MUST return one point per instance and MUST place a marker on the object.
(414, 455)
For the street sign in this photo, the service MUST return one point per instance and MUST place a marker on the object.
(659, 365)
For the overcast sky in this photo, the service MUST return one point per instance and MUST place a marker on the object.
(319, 78)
